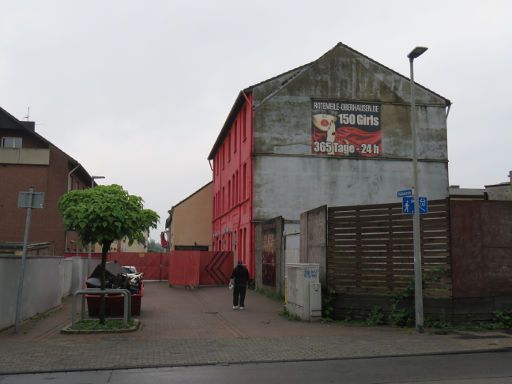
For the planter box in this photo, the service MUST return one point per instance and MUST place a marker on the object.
(113, 305)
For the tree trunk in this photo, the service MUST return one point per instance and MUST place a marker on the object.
(104, 251)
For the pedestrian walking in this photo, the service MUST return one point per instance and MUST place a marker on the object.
(239, 280)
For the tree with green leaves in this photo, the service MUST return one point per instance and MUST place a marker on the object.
(153, 246)
(103, 215)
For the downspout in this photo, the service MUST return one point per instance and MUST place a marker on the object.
(448, 110)
(69, 189)
(69, 176)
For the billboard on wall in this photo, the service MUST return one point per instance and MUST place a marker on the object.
(346, 128)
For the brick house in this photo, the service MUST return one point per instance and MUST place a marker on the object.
(29, 160)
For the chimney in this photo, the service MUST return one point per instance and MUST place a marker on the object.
(510, 175)
(31, 125)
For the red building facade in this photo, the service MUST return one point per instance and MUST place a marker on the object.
(232, 184)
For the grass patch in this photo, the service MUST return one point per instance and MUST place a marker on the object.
(40, 316)
(270, 293)
(289, 316)
(94, 325)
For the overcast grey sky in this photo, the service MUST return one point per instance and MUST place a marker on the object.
(137, 91)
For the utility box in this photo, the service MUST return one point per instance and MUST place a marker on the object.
(303, 291)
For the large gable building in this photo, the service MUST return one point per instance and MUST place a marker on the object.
(335, 131)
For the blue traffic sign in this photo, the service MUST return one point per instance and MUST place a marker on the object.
(408, 205)
(423, 203)
(404, 193)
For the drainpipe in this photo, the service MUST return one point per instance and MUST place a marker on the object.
(69, 189)
(69, 176)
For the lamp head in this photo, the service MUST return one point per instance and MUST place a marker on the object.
(418, 51)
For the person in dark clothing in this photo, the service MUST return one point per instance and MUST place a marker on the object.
(239, 279)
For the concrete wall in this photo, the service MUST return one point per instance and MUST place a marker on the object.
(47, 280)
(289, 180)
(499, 192)
(313, 240)
(41, 289)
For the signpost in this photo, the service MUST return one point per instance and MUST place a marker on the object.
(26, 200)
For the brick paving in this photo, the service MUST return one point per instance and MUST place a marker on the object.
(194, 327)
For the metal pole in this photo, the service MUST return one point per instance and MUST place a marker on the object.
(418, 282)
(89, 245)
(89, 251)
(23, 262)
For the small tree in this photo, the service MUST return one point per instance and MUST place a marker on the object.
(153, 246)
(104, 214)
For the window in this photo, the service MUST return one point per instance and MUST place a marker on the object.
(229, 194)
(11, 142)
(233, 185)
(235, 138)
(245, 245)
(244, 181)
(237, 188)
(229, 147)
(244, 123)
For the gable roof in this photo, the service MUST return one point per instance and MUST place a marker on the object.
(240, 100)
(23, 126)
(192, 195)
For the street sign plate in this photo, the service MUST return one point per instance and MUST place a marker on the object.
(404, 193)
(408, 205)
(37, 200)
(423, 202)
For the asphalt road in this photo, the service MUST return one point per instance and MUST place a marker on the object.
(477, 368)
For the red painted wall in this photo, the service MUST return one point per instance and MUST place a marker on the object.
(194, 268)
(154, 265)
(232, 226)
(184, 267)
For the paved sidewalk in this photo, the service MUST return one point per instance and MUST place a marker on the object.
(194, 327)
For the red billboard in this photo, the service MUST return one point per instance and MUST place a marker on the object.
(346, 128)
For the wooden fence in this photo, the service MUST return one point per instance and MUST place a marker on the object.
(370, 249)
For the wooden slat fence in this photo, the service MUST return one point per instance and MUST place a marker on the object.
(370, 249)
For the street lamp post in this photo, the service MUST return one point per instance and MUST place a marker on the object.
(89, 251)
(418, 282)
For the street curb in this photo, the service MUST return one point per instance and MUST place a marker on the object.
(220, 363)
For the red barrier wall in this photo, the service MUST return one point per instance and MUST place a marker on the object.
(216, 268)
(153, 265)
(184, 268)
(194, 268)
